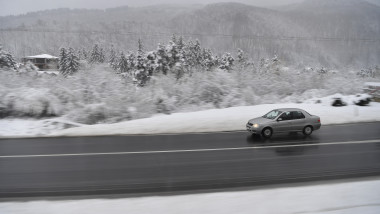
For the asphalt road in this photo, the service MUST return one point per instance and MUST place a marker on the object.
(164, 163)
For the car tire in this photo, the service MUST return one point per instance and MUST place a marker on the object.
(267, 132)
(307, 130)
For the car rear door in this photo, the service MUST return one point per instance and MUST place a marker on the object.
(298, 120)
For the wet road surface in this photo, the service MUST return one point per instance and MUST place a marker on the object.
(164, 163)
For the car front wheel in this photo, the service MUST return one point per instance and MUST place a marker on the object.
(307, 130)
(267, 133)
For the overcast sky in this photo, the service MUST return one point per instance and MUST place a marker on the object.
(16, 7)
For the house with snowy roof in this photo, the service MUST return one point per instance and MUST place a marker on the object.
(43, 61)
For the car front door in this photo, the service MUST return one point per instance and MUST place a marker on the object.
(283, 123)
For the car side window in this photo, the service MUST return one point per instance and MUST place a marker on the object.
(286, 116)
(297, 115)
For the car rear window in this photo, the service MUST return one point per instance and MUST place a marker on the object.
(308, 113)
(297, 115)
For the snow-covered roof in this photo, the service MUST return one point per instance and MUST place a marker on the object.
(377, 84)
(42, 56)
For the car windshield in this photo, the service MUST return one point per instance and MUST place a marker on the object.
(272, 114)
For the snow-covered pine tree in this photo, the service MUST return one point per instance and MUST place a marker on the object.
(176, 62)
(95, 56)
(151, 64)
(131, 60)
(79, 54)
(180, 44)
(198, 52)
(181, 52)
(102, 56)
(112, 59)
(174, 39)
(227, 61)
(162, 60)
(173, 53)
(84, 54)
(217, 60)
(208, 60)
(62, 61)
(141, 74)
(7, 60)
(72, 63)
(240, 56)
(187, 51)
(140, 61)
(11, 61)
(193, 53)
(122, 64)
(242, 60)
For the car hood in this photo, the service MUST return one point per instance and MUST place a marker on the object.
(260, 120)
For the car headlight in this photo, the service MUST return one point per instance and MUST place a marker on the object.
(255, 125)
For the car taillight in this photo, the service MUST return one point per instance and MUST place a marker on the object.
(319, 120)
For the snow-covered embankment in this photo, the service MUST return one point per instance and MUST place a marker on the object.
(229, 119)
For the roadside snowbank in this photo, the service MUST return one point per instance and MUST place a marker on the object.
(348, 197)
(229, 119)
(17, 127)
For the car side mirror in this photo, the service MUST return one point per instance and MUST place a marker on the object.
(279, 119)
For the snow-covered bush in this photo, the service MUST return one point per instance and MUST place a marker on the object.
(361, 99)
(339, 99)
(27, 67)
(7, 60)
(31, 102)
(367, 72)
(338, 102)
(91, 96)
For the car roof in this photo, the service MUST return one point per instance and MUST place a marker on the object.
(289, 109)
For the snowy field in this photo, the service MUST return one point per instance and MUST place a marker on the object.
(351, 197)
(214, 120)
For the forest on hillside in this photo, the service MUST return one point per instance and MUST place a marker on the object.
(98, 86)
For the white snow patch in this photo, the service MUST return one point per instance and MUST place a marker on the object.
(229, 119)
(375, 84)
(54, 72)
(349, 198)
(43, 56)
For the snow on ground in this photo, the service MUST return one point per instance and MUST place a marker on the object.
(229, 119)
(16, 127)
(351, 197)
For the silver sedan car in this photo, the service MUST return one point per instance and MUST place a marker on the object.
(284, 120)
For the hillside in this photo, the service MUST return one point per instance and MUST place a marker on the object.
(229, 26)
(355, 21)
(316, 32)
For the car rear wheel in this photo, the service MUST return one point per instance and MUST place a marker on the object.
(307, 130)
(267, 133)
